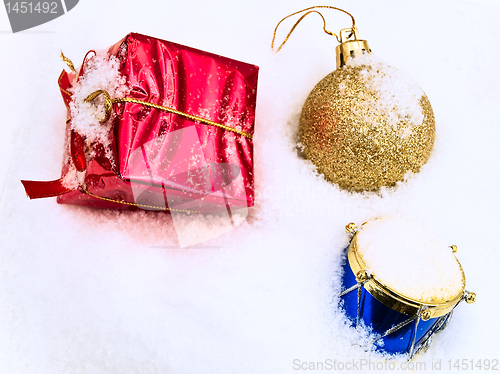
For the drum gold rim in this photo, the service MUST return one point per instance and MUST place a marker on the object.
(393, 299)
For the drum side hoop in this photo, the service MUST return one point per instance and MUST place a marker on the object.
(393, 299)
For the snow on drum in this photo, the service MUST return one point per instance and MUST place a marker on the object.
(401, 283)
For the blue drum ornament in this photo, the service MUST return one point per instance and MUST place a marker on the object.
(401, 317)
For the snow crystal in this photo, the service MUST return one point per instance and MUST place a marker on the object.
(73, 178)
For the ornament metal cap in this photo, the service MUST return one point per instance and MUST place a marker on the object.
(350, 48)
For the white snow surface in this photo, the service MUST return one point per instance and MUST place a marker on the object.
(95, 291)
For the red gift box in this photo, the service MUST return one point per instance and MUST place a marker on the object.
(179, 140)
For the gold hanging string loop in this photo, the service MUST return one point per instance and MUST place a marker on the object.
(296, 24)
(109, 105)
(309, 11)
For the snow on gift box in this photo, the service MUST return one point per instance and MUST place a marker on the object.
(402, 283)
(156, 125)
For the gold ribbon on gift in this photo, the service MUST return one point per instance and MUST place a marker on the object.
(144, 206)
(68, 62)
(108, 106)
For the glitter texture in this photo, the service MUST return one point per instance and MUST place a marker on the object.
(366, 125)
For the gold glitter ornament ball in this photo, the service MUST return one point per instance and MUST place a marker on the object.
(365, 125)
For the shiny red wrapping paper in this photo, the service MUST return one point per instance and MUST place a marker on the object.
(161, 160)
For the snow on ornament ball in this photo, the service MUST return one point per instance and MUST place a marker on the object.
(366, 125)
(410, 259)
